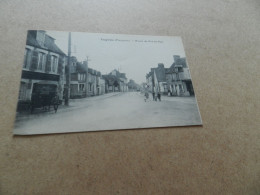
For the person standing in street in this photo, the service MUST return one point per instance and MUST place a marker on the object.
(153, 96)
(159, 95)
(146, 95)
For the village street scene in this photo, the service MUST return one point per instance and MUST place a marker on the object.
(61, 93)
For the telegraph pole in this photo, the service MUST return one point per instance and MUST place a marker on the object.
(86, 63)
(67, 94)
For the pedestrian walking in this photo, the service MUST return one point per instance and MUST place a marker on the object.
(146, 96)
(159, 96)
(153, 96)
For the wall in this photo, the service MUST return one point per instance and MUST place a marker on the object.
(220, 38)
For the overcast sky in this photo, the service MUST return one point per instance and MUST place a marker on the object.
(134, 55)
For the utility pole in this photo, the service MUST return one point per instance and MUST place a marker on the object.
(87, 83)
(67, 94)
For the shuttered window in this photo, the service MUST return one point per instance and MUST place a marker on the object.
(27, 54)
(54, 64)
(41, 61)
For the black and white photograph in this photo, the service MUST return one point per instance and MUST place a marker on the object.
(76, 82)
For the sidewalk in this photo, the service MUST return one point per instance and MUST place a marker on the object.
(73, 104)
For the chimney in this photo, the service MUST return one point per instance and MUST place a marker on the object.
(161, 65)
(176, 58)
(40, 37)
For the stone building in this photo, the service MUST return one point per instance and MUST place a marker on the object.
(78, 79)
(156, 80)
(85, 81)
(93, 80)
(100, 84)
(115, 82)
(111, 83)
(178, 78)
(121, 77)
(43, 68)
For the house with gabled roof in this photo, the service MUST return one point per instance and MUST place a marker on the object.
(122, 80)
(78, 79)
(156, 80)
(178, 78)
(112, 83)
(43, 67)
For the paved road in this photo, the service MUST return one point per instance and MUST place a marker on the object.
(120, 111)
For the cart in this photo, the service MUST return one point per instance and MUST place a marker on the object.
(44, 96)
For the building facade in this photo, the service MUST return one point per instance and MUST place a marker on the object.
(111, 83)
(43, 68)
(121, 79)
(178, 78)
(174, 81)
(156, 80)
(78, 79)
(100, 84)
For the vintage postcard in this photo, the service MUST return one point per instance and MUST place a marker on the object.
(75, 81)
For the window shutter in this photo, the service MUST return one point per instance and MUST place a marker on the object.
(60, 65)
(34, 62)
(48, 63)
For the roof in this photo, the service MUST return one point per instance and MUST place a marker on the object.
(160, 74)
(118, 74)
(81, 68)
(180, 61)
(170, 70)
(49, 43)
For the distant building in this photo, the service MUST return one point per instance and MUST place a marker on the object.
(178, 78)
(175, 81)
(133, 86)
(111, 83)
(115, 82)
(43, 68)
(156, 80)
(78, 79)
(121, 79)
(100, 84)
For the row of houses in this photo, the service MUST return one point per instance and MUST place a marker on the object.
(173, 81)
(87, 82)
(44, 72)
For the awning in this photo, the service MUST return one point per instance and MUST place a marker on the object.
(47, 83)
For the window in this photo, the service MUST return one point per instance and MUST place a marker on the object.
(22, 91)
(41, 61)
(181, 88)
(81, 87)
(54, 64)
(27, 54)
(81, 76)
(165, 88)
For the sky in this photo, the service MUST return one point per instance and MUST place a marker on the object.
(134, 55)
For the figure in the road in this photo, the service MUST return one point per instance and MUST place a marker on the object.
(153, 96)
(159, 96)
(146, 94)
